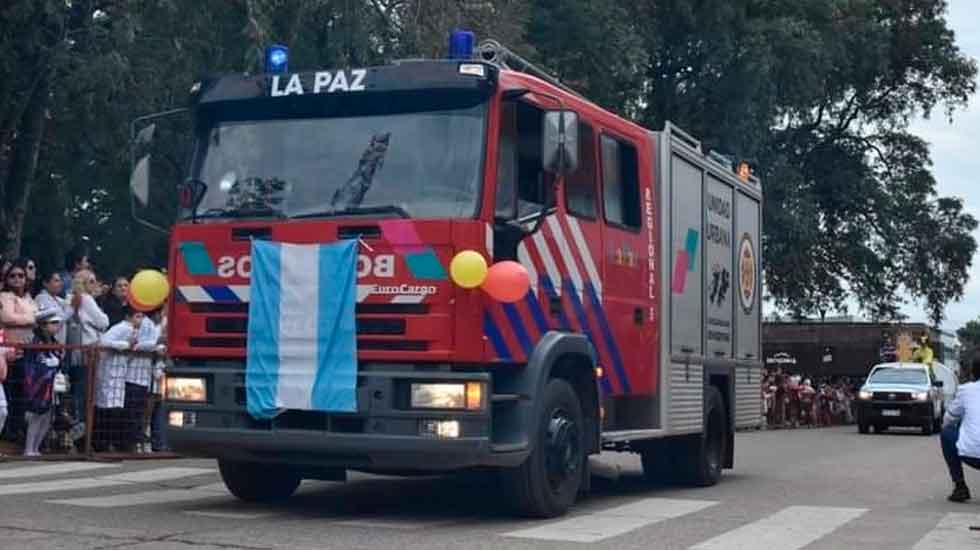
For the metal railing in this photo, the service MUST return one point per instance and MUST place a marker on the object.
(96, 403)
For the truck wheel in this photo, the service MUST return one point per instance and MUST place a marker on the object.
(706, 452)
(547, 483)
(253, 482)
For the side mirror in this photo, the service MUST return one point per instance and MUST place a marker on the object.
(938, 383)
(560, 142)
(139, 181)
(158, 143)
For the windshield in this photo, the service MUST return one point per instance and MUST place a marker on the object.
(421, 165)
(899, 376)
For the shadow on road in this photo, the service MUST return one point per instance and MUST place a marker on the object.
(431, 499)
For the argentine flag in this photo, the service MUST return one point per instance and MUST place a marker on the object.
(302, 342)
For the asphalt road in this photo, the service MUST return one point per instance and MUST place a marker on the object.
(814, 489)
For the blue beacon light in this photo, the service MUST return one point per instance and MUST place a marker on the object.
(276, 59)
(461, 44)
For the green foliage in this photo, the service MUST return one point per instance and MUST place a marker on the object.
(969, 337)
(818, 94)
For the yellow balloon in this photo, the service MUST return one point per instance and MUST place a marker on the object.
(150, 288)
(468, 269)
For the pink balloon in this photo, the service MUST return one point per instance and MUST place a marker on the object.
(507, 282)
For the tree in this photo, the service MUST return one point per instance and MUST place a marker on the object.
(820, 96)
(969, 337)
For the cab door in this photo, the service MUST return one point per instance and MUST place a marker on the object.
(628, 298)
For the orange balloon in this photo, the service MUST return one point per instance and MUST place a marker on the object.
(507, 282)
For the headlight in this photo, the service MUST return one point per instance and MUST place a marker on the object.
(186, 389)
(920, 395)
(463, 396)
(864, 394)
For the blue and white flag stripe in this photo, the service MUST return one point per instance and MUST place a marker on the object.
(301, 329)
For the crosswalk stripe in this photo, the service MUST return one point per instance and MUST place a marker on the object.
(393, 523)
(159, 474)
(614, 521)
(159, 496)
(74, 484)
(227, 515)
(789, 529)
(952, 533)
(53, 469)
(57, 485)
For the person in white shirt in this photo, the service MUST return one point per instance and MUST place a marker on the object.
(139, 377)
(83, 328)
(110, 381)
(961, 433)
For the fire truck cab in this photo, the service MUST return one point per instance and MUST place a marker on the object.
(640, 331)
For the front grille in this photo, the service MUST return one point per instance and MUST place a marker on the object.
(373, 345)
(891, 396)
(381, 326)
(239, 325)
(393, 345)
(364, 309)
(227, 325)
(216, 342)
(393, 309)
(218, 307)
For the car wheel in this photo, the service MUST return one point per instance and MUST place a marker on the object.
(927, 428)
(863, 427)
(880, 428)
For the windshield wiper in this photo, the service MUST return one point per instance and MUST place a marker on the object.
(356, 210)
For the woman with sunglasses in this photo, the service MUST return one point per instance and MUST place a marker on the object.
(17, 317)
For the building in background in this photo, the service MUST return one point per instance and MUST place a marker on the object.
(845, 346)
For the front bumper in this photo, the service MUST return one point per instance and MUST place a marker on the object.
(353, 451)
(383, 435)
(909, 413)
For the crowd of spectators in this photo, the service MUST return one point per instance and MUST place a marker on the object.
(792, 400)
(44, 386)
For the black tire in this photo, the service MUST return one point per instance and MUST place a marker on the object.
(863, 427)
(880, 428)
(254, 482)
(660, 462)
(548, 482)
(705, 453)
(937, 426)
(927, 428)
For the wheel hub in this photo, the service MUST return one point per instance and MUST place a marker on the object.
(562, 449)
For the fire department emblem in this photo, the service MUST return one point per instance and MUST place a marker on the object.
(746, 273)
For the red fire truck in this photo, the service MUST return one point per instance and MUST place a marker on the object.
(640, 331)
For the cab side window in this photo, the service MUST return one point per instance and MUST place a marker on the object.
(522, 185)
(580, 187)
(620, 183)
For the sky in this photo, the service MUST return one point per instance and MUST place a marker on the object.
(956, 161)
